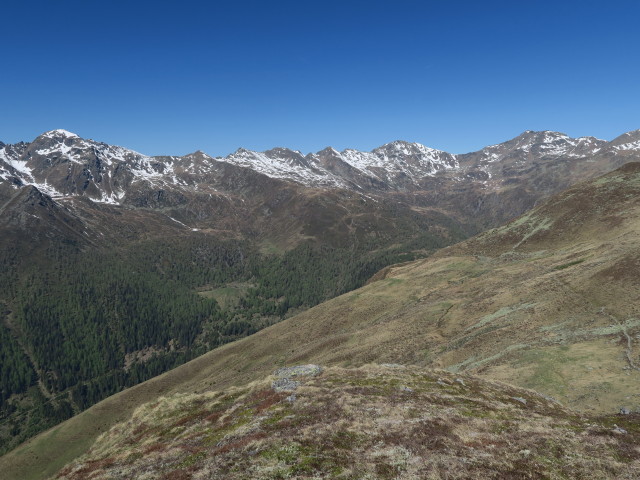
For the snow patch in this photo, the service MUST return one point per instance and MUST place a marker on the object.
(21, 166)
(276, 166)
(44, 187)
(628, 146)
(111, 199)
(178, 221)
(60, 148)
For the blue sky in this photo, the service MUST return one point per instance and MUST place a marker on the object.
(173, 77)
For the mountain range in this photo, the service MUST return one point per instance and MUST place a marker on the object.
(281, 197)
(480, 189)
(62, 164)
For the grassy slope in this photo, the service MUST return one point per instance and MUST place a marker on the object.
(546, 302)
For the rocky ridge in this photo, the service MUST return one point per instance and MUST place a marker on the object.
(61, 164)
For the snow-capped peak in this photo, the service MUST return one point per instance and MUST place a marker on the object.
(398, 160)
(401, 147)
(59, 133)
(627, 141)
(283, 163)
(549, 136)
(202, 154)
(545, 143)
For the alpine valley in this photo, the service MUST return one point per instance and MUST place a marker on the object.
(117, 267)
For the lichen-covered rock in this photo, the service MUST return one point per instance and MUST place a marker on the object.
(284, 385)
(284, 382)
(298, 371)
(391, 365)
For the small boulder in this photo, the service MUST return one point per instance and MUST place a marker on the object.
(391, 365)
(284, 385)
(617, 429)
(284, 376)
(298, 371)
